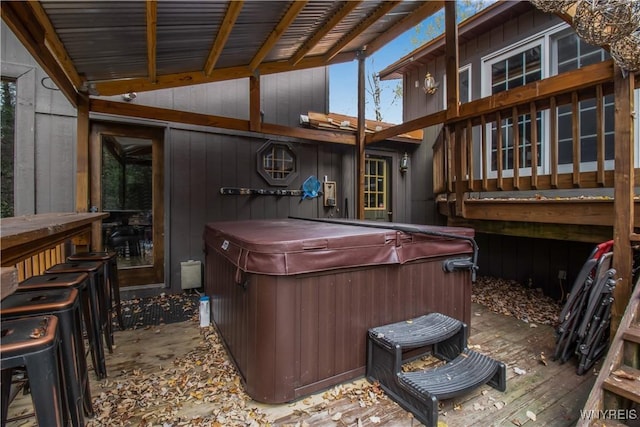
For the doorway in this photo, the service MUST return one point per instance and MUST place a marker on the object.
(377, 188)
(127, 181)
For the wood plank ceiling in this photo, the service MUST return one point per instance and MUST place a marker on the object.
(117, 47)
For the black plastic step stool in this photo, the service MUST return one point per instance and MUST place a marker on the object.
(65, 305)
(444, 338)
(34, 343)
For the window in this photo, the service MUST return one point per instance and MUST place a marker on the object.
(375, 184)
(277, 163)
(464, 85)
(7, 133)
(508, 71)
(570, 53)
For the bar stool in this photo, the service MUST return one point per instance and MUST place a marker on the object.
(89, 302)
(33, 343)
(110, 260)
(64, 303)
(94, 269)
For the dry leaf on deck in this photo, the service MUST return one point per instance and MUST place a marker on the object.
(375, 420)
(499, 405)
(336, 416)
(531, 415)
(519, 371)
(625, 375)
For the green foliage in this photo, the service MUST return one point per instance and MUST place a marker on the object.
(7, 147)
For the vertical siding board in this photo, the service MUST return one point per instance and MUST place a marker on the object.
(287, 341)
(198, 193)
(179, 198)
(213, 178)
(327, 333)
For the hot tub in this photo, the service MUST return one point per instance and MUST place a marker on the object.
(293, 299)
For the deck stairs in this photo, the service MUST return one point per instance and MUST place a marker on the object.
(615, 397)
(390, 346)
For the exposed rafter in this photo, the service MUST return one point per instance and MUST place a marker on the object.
(362, 25)
(152, 21)
(223, 34)
(345, 10)
(277, 32)
(20, 17)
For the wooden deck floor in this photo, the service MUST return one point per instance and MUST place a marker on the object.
(153, 361)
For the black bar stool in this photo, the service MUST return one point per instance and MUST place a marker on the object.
(33, 343)
(94, 269)
(89, 302)
(64, 303)
(111, 280)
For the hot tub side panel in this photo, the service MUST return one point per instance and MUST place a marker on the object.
(293, 335)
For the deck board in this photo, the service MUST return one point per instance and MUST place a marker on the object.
(554, 393)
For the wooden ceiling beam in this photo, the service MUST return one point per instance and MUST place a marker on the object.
(55, 45)
(382, 10)
(152, 23)
(20, 18)
(324, 29)
(187, 117)
(230, 17)
(277, 32)
(412, 19)
(116, 87)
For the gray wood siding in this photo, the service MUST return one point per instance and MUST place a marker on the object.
(45, 135)
(200, 163)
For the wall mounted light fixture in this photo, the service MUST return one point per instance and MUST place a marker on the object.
(430, 86)
(404, 163)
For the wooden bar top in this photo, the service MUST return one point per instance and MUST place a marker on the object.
(23, 236)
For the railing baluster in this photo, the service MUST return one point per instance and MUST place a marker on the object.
(499, 183)
(553, 127)
(483, 154)
(449, 150)
(575, 134)
(516, 147)
(534, 145)
(600, 135)
(469, 145)
(458, 153)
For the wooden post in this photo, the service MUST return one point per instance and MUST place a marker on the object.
(623, 194)
(360, 143)
(255, 118)
(82, 167)
(452, 61)
(95, 185)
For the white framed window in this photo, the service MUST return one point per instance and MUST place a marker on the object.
(508, 69)
(464, 85)
(570, 52)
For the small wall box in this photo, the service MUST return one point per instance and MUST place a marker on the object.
(329, 193)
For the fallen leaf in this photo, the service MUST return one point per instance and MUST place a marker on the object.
(516, 422)
(499, 405)
(519, 371)
(531, 415)
(623, 374)
(478, 407)
(375, 420)
(457, 407)
(543, 359)
(336, 416)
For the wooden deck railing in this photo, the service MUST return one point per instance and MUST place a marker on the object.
(471, 136)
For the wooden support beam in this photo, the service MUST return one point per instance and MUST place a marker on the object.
(360, 136)
(255, 116)
(82, 165)
(623, 194)
(165, 114)
(20, 18)
(382, 10)
(553, 143)
(233, 11)
(152, 22)
(55, 45)
(516, 147)
(575, 137)
(277, 32)
(451, 60)
(533, 113)
(312, 41)
(167, 81)
(600, 141)
(95, 185)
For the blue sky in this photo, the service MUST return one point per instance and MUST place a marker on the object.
(343, 78)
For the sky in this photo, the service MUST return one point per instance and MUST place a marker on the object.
(343, 78)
